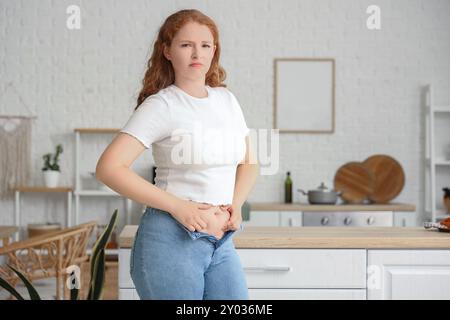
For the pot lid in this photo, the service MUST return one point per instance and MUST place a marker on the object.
(322, 188)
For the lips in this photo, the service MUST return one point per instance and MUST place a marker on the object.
(195, 65)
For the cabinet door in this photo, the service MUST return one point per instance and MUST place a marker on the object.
(307, 294)
(128, 294)
(408, 274)
(125, 280)
(263, 219)
(404, 219)
(291, 218)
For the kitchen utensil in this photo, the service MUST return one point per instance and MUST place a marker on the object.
(431, 225)
(436, 225)
(321, 195)
(354, 181)
(389, 177)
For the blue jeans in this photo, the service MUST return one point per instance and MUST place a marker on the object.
(170, 262)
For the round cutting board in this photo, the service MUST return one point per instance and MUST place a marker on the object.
(389, 177)
(354, 181)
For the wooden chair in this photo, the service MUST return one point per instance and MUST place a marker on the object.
(48, 255)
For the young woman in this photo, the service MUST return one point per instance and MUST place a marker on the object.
(206, 168)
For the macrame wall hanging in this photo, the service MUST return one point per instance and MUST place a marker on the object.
(15, 150)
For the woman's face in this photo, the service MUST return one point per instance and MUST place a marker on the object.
(193, 43)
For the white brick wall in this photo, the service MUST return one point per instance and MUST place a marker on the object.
(90, 78)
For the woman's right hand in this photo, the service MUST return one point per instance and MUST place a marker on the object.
(191, 214)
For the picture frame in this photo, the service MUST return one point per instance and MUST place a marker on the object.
(304, 95)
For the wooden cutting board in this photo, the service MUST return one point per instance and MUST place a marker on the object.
(354, 181)
(389, 177)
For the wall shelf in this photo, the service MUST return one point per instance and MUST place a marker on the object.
(433, 162)
(39, 189)
(79, 191)
(96, 193)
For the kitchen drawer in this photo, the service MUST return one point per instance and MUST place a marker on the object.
(263, 219)
(307, 294)
(291, 219)
(304, 268)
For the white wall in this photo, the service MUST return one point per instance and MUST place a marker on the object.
(90, 78)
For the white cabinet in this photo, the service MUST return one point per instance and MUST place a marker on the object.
(287, 273)
(303, 274)
(307, 294)
(291, 219)
(274, 219)
(128, 294)
(125, 281)
(282, 294)
(263, 219)
(408, 274)
(404, 219)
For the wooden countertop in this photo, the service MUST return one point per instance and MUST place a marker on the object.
(275, 206)
(327, 237)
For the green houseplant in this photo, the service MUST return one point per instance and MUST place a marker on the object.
(97, 271)
(51, 167)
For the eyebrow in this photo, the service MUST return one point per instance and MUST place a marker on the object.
(194, 41)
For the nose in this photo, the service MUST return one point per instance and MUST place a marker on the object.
(194, 53)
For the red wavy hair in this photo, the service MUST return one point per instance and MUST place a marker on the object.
(160, 73)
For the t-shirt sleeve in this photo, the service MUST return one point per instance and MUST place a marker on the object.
(240, 119)
(150, 122)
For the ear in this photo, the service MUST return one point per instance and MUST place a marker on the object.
(166, 53)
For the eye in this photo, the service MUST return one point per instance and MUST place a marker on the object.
(187, 44)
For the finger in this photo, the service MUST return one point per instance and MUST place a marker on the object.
(204, 206)
(202, 223)
(235, 224)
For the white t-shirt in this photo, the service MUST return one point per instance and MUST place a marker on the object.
(197, 143)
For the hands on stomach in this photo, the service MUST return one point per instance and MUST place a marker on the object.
(202, 217)
(216, 219)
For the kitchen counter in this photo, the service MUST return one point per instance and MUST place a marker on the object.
(327, 237)
(276, 206)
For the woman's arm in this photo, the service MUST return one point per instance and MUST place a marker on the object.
(246, 174)
(113, 169)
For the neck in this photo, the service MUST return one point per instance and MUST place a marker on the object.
(194, 88)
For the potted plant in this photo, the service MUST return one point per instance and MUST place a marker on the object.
(51, 167)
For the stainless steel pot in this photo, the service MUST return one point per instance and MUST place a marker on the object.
(321, 195)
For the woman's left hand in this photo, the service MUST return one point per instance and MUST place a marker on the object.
(235, 217)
